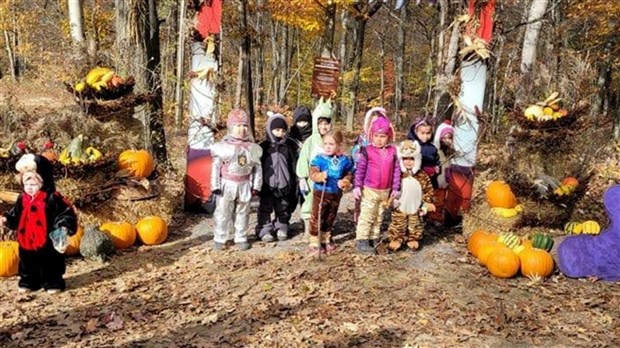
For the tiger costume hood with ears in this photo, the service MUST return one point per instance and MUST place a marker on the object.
(409, 149)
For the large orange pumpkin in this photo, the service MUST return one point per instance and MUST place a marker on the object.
(503, 262)
(9, 258)
(152, 230)
(123, 234)
(487, 249)
(499, 195)
(536, 262)
(138, 163)
(73, 248)
(478, 239)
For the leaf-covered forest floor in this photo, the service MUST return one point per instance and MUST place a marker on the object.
(184, 294)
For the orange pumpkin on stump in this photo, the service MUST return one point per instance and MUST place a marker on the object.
(499, 195)
(138, 163)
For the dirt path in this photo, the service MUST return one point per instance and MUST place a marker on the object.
(184, 294)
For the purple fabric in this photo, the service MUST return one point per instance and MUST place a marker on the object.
(378, 168)
(595, 256)
(193, 154)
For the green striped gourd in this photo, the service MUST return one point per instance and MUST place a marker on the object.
(573, 227)
(542, 241)
(510, 239)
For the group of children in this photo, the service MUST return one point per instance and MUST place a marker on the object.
(308, 166)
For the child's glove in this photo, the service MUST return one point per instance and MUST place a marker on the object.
(357, 193)
(303, 187)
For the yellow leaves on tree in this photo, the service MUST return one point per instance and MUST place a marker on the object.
(598, 21)
(309, 15)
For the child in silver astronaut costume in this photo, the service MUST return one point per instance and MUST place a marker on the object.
(236, 175)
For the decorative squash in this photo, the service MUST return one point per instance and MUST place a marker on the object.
(503, 262)
(510, 239)
(74, 242)
(573, 228)
(536, 262)
(9, 258)
(50, 154)
(542, 241)
(152, 230)
(478, 239)
(570, 181)
(500, 195)
(122, 234)
(487, 249)
(590, 227)
(138, 163)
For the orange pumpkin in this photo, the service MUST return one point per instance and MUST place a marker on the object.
(152, 230)
(478, 239)
(9, 258)
(536, 262)
(50, 154)
(74, 242)
(526, 243)
(503, 262)
(138, 163)
(487, 249)
(123, 234)
(570, 181)
(499, 195)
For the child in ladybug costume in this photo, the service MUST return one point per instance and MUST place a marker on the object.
(39, 211)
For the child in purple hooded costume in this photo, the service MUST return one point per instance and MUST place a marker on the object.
(595, 256)
(377, 181)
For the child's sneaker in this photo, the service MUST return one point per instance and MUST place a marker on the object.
(268, 238)
(53, 291)
(363, 246)
(244, 245)
(330, 248)
(282, 235)
(218, 246)
(315, 250)
(23, 290)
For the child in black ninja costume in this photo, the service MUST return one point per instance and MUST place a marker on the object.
(279, 191)
(40, 211)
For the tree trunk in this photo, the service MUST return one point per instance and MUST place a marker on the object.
(285, 56)
(76, 21)
(180, 54)
(530, 41)
(240, 77)
(381, 67)
(137, 37)
(327, 39)
(9, 52)
(275, 63)
(260, 60)
(361, 18)
(247, 62)
(604, 79)
(399, 77)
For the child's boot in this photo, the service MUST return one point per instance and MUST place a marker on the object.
(315, 248)
(413, 245)
(327, 243)
(363, 246)
(282, 232)
(307, 230)
(395, 244)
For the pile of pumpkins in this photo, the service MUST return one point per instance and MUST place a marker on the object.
(151, 230)
(506, 255)
(547, 110)
(502, 200)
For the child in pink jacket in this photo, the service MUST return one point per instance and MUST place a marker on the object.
(377, 181)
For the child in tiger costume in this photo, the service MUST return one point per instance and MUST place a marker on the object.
(416, 197)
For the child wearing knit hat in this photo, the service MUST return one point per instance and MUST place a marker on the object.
(279, 191)
(236, 176)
